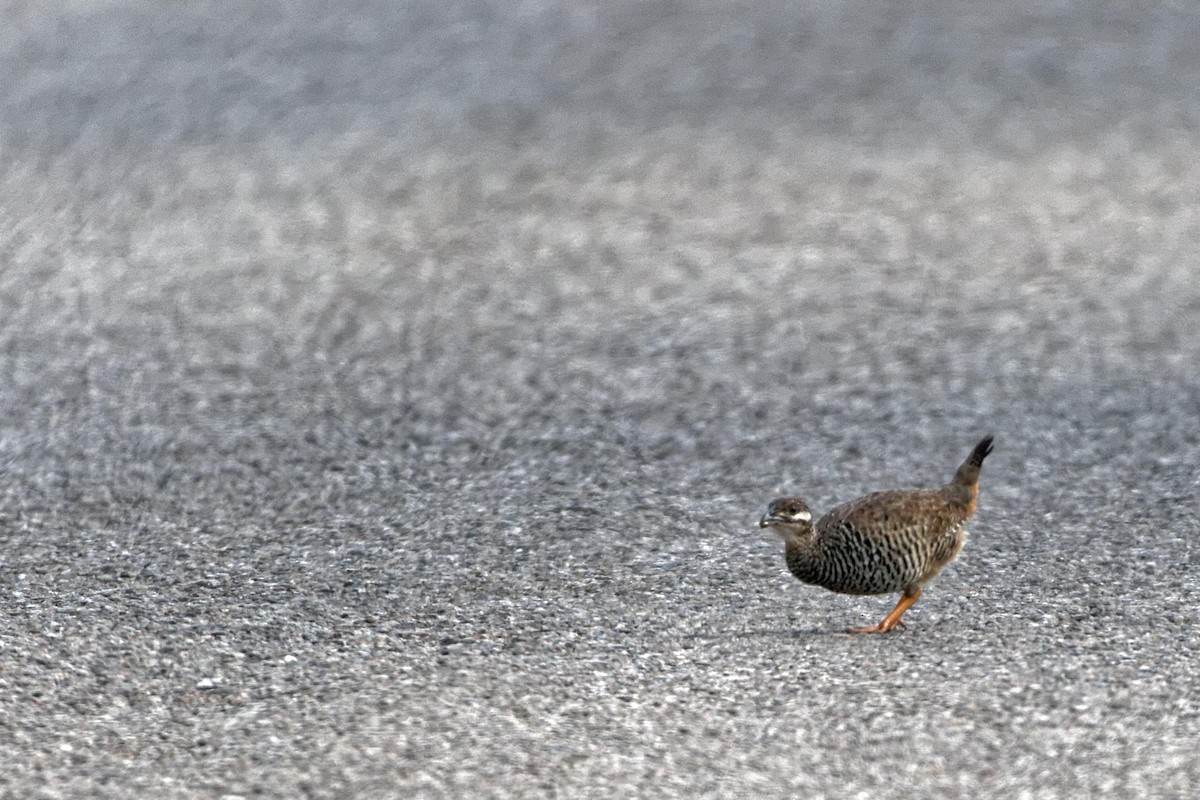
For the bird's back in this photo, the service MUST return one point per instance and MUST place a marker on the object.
(888, 541)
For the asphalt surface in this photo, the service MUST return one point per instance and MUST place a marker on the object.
(388, 394)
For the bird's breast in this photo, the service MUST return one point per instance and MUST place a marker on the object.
(844, 559)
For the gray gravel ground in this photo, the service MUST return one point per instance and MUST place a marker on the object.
(389, 392)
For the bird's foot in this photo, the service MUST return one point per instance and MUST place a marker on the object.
(882, 627)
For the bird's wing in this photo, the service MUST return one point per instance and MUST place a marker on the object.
(923, 513)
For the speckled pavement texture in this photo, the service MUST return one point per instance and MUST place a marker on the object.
(388, 394)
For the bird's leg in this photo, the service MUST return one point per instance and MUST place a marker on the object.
(910, 596)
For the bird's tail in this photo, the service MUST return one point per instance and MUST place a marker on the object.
(968, 473)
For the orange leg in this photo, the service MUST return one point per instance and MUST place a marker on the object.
(909, 597)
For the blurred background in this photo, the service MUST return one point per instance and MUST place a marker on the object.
(451, 349)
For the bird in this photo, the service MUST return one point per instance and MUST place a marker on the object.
(883, 542)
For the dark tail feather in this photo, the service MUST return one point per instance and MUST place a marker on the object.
(968, 473)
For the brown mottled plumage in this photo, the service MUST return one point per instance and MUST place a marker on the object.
(895, 541)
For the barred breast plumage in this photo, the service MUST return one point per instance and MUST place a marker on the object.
(893, 541)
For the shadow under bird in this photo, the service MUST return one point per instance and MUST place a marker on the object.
(884, 542)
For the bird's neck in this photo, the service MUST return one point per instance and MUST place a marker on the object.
(803, 560)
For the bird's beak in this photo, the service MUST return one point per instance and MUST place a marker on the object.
(768, 520)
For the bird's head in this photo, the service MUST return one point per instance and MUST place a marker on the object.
(787, 516)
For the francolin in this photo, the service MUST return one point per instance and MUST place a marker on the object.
(884, 542)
